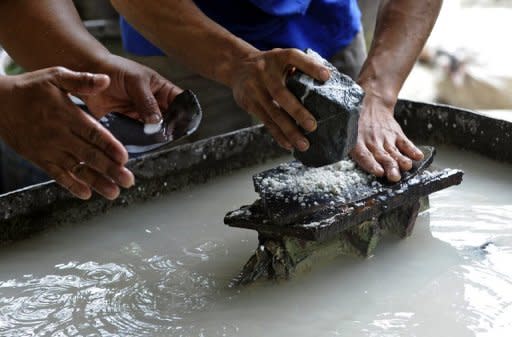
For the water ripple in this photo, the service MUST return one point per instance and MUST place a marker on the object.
(93, 299)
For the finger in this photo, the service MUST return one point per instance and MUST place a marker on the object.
(390, 165)
(408, 148)
(146, 103)
(405, 163)
(80, 83)
(288, 128)
(92, 132)
(306, 64)
(97, 160)
(289, 103)
(66, 180)
(364, 158)
(167, 95)
(97, 181)
(272, 128)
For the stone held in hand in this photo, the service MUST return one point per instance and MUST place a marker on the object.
(335, 104)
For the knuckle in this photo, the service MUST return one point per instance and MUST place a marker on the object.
(260, 65)
(87, 79)
(79, 170)
(276, 50)
(380, 153)
(110, 147)
(112, 172)
(63, 180)
(299, 113)
(275, 113)
(385, 158)
(278, 92)
(90, 156)
(291, 133)
(284, 123)
(364, 155)
(404, 142)
(390, 164)
(406, 164)
(372, 138)
(286, 54)
(92, 180)
(149, 101)
(94, 134)
(87, 175)
(57, 71)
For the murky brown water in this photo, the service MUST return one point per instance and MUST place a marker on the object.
(162, 269)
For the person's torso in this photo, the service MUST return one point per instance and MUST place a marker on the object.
(323, 25)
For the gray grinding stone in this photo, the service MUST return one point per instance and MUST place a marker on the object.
(335, 104)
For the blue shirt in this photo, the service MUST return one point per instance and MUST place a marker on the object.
(326, 26)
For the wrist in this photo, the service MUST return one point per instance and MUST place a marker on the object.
(96, 61)
(227, 69)
(378, 93)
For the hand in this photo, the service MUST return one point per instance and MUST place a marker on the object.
(382, 148)
(259, 88)
(135, 90)
(40, 122)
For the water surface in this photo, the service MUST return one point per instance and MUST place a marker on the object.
(162, 269)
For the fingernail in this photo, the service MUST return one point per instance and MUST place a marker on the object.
(310, 124)
(154, 118)
(378, 171)
(84, 195)
(288, 146)
(112, 192)
(302, 144)
(324, 74)
(395, 174)
(101, 78)
(406, 164)
(126, 178)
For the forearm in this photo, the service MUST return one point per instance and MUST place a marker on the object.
(402, 29)
(182, 31)
(45, 33)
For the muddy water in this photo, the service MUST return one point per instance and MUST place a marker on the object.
(161, 269)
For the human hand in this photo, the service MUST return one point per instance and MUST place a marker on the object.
(40, 122)
(135, 90)
(382, 148)
(259, 88)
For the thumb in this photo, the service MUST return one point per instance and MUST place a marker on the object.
(146, 104)
(79, 83)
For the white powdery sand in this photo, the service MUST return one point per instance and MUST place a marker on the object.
(333, 179)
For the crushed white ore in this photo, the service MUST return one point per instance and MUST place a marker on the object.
(300, 181)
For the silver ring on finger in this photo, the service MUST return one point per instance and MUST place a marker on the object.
(77, 167)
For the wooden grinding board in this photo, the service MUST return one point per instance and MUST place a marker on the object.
(270, 217)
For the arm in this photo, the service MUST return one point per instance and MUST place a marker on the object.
(182, 31)
(41, 34)
(402, 29)
(46, 33)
